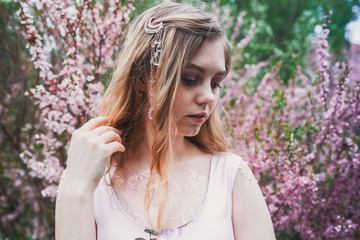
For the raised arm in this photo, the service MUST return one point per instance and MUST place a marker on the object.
(251, 217)
(90, 150)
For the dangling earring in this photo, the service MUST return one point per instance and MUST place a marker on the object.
(155, 56)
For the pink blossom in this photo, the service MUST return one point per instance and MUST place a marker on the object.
(85, 37)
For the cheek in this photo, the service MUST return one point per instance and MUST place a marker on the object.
(181, 103)
(178, 111)
(214, 105)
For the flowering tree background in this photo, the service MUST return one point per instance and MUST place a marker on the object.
(302, 144)
(71, 44)
(298, 129)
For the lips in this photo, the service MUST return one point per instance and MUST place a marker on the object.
(197, 115)
(198, 118)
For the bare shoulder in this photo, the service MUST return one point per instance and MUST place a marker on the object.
(251, 217)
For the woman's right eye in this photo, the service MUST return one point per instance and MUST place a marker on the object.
(189, 82)
(190, 79)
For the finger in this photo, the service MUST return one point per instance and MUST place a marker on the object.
(113, 147)
(110, 136)
(102, 129)
(94, 123)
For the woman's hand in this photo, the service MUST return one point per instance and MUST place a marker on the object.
(90, 150)
(89, 153)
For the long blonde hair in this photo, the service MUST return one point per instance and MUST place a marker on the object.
(126, 101)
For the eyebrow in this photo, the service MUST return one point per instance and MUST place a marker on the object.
(202, 70)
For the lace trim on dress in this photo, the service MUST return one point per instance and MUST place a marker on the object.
(185, 198)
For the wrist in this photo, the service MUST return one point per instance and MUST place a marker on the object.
(75, 193)
(74, 187)
(78, 183)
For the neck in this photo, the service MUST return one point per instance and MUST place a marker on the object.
(142, 152)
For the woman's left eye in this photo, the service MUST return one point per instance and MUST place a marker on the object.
(215, 85)
(215, 82)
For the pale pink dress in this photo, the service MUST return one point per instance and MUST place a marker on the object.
(213, 220)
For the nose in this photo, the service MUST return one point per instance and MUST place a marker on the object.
(206, 95)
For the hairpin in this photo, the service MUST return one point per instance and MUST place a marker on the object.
(156, 48)
(150, 28)
(156, 43)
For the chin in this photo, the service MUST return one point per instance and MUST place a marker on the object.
(191, 133)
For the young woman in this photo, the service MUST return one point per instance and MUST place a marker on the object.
(160, 143)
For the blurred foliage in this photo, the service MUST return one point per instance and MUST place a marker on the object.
(285, 30)
(283, 16)
(292, 25)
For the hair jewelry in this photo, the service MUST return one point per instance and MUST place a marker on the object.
(155, 55)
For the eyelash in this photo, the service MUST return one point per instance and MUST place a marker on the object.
(217, 85)
(190, 83)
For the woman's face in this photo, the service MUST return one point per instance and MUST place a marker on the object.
(199, 90)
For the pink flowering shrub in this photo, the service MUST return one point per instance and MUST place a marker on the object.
(71, 44)
(301, 143)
